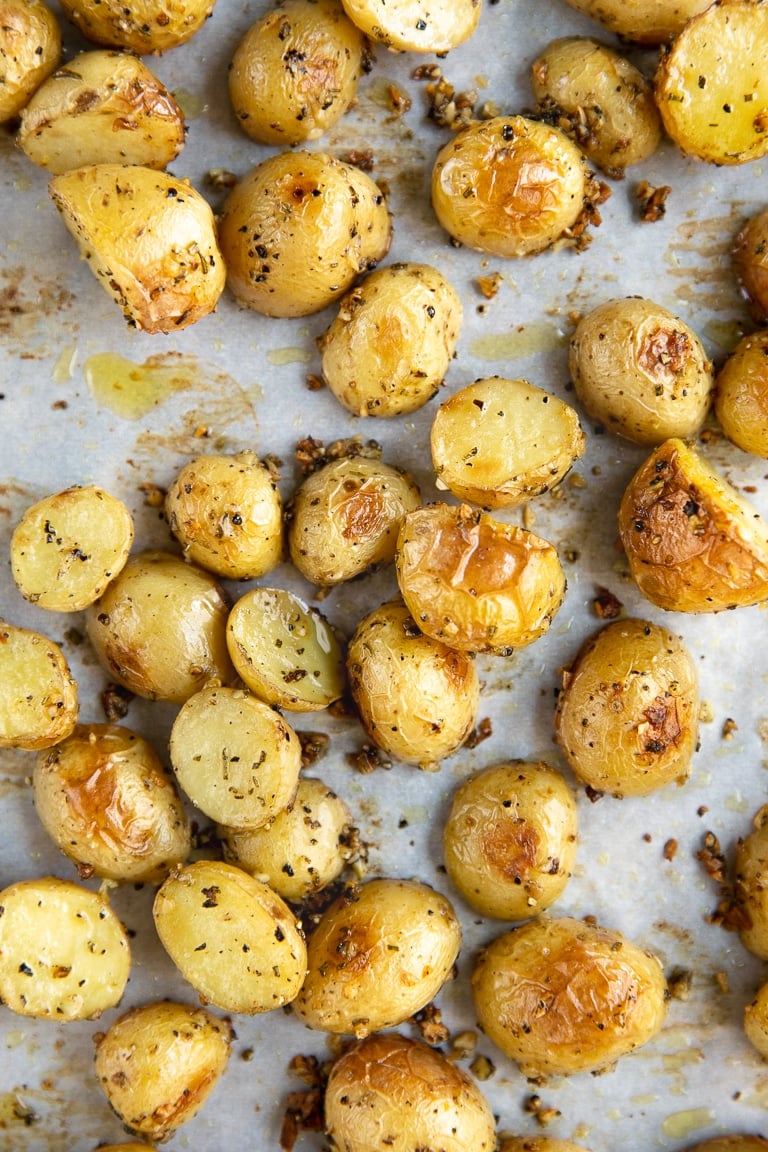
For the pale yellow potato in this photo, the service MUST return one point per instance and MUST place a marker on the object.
(345, 518)
(380, 953)
(298, 230)
(160, 628)
(390, 344)
(303, 850)
(756, 1021)
(538, 1144)
(739, 1142)
(741, 395)
(693, 543)
(285, 651)
(509, 844)
(391, 1094)
(105, 799)
(68, 546)
(417, 698)
(416, 25)
(295, 72)
(130, 1146)
(560, 996)
(149, 239)
(751, 885)
(235, 757)
(143, 27)
(749, 258)
(499, 442)
(509, 186)
(101, 108)
(712, 87)
(64, 954)
(38, 694)
(227, 514)
(30, 49)
(640, 371)
(627, 715)
(476, 583)
(158, 1064)
(642, 21)
(601, 100)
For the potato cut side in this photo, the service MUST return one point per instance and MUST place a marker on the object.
(143, 26)
(30, 49)
(416, 25)
(38, 694)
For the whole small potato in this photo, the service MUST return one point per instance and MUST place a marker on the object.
(509, 186)
(158, 1064)
(561, 996)
(388, 1092)
(30, 49)
(628, 713)
(378, 955)
(298, 230)
(642, 21)
(160, 628)
(227, 514)
(756, 1021)
(510, 839)
(741, 395)
(750, 264)
(751, 885)
(143, 27)
(416, 25)
(640, 370)
(295, 72)
(392, 340)
(106, 801)
(38, 694)
(417, 698)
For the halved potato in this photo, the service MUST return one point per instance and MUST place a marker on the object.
(30, 49)
(416, 25)
(143, 27)
(642, 21)
(38, 694)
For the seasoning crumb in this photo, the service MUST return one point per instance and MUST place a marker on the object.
(399, 101)
(116, 700)
(463, 1045)
(429, 1023)
(679, 983)
(593, 795)
(479, 733)
(314, 382)
(154, 495)
(482, 1068)
(367, 759)
(729, 727)
(670, 849)
(362, 158)
(544, 1114)
(706, 712)
(606, 605)
(489, 285)
(314, 746)
(652, 201)
(647, 837)
(220, 179)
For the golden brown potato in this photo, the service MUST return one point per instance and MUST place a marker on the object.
(538, 1144)
(149, 238)
(643, 21)
(144, 26)
(599, 99)
(693, 543)
(30, 49)
(101, 108)
(379, 953)
(510, 839)
(389, 347)
(395, 1094)
(628, 712)
(736, 1143)
(106, 801)
(509, 186)
(756, 1021)
(130, 1146)
(416, 25)
(475, 583)
(741, 395)
(640, 371)
(417, 698)
(498, 442)
(68, 546)
(712, 88)
(227, 514)
(297, 231)
(38, 694)
(159, 1063)
(561, 996)
(751, 885)
(750, 263)
(295, 72)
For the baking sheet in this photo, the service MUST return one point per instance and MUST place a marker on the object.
(243, 379)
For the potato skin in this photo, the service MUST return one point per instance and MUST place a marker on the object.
(38, 694)
(560, 996)
(379, 953)
(628, 713)
(30, 49)
(741, 395)
(399, 1094)
(538, 1144)
(756, 1021)
(415, 25)
(642, 21)
(143, 27)
(739, 1142)
(751, 887)
(750, 263)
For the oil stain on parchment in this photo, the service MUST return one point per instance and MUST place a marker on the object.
(699, 264)
(30, 309)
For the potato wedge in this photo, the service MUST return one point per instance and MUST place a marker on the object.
(143, 27)
(30, 49)
(38, 694)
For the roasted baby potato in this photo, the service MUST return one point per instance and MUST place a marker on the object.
(599, 99)
(295, 72)
(416, 25)
(498, 442)
(693, 543)
(389, 347)
(143, 27)
(345, 518)
(101, 108)
(640, 371)
(68, 546)
(298, 230)
(130, 1146)
(379, 954)
(388, 1092)
(106, 801)
(510, 839)
(756, 1021)
(561, 996)
(233, 938)
(38, 694)
(628, 713)
(712, 88)
(158, 1064)
(149, 238)
(741, 395)
(750, 263)
(642, 21)
(160, 628)
(736, 1143)
(64, 954)
(538, 1144)
(30, 49)
(751, 885)
(416, 697)
(509, 186)
(475, 583)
